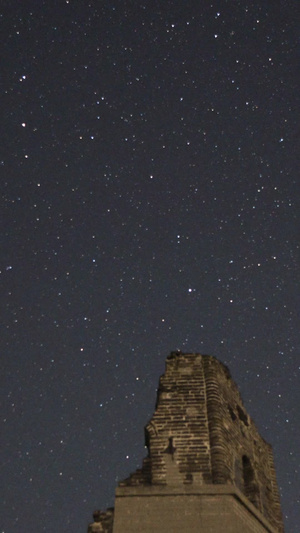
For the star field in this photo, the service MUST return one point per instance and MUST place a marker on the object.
(149, 202)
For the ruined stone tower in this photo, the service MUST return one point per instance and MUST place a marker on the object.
(208, 470)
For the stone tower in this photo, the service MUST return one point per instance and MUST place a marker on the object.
(208, 470)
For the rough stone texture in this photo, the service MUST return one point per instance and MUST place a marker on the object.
(199, 437)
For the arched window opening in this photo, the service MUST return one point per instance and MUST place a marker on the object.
(242, 415)
(248, 474)
(250, 486)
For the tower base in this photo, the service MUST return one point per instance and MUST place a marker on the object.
(204, 509)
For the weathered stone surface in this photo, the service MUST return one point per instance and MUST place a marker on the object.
(185, 509)
(200, 437)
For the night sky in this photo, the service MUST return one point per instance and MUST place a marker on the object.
(149, 187)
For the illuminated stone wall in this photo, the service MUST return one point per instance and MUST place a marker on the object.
(200, 441)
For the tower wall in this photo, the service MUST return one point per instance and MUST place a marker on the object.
(178, 434)
(239, 455)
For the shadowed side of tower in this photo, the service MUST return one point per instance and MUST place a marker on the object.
(208, 469)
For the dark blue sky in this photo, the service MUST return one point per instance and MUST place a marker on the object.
(149, 203)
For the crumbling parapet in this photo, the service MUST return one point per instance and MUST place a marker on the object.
(103, 522)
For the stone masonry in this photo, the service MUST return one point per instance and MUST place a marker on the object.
(207, 469)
